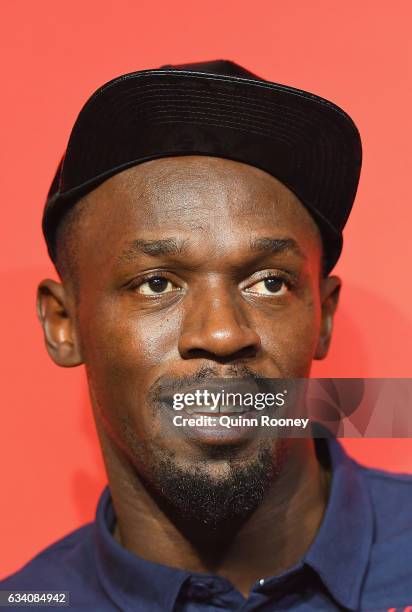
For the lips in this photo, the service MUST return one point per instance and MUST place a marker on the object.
(220, 409)
(213, 399)
(217, 397)
(211, 408)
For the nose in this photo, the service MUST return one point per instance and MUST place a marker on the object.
(215, 327)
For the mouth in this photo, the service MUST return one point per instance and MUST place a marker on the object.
(218, 411)
(215, 399)
(208, 409)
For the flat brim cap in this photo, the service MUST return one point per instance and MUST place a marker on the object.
(308, 143)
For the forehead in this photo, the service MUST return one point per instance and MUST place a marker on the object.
(192, 189)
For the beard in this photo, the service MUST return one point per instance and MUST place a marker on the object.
(216, 491)
(224, 487)
(197, 495)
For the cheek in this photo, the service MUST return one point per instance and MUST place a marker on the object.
(126, 339)
(291, 338)
(123, 351)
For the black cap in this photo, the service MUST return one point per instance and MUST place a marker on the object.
(218, 109)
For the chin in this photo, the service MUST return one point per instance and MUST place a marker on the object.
(216, 491)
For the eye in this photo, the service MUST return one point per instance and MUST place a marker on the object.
(157, 285)
(272, 285)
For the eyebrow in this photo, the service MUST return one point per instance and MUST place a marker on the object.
(276, 246)
(175, 246)
(153, 248)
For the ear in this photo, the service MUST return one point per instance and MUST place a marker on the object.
(330, 290)
(57, 320)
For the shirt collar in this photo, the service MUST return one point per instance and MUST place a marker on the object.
(339, 553)
(341, 549)
(127, 578)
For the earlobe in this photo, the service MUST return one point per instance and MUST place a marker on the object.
(58, 325)
(330, 291)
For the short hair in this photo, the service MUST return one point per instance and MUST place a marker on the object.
(67, 245)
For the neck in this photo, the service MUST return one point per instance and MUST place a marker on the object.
(272, 539)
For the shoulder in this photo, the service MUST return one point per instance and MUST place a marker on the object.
(66, 565)
(391, 497)
(389, 575)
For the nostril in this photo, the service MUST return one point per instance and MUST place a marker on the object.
(246, 352)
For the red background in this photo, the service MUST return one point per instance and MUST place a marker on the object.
(54, 55)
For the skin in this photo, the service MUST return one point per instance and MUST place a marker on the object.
(216, 316)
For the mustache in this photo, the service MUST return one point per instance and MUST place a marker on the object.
(166, 386)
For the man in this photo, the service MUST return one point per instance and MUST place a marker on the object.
(194, 222)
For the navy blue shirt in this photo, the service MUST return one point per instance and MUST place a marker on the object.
(360, 559)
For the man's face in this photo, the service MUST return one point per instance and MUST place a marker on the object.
(192, 268)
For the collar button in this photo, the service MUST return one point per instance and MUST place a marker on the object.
(199, 590)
